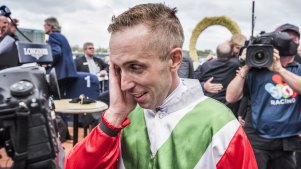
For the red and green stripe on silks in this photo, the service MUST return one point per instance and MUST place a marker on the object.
(191, 142)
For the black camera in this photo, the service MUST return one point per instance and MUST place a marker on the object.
(260, 49)
(4, 10)
(27, 129)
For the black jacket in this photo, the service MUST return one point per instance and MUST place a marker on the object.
(82, 64)
(223, 71)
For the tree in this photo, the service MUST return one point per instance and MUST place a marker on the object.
(76, 49)
(101, 50)
(205, 52)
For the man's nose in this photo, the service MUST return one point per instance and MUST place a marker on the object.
(126, 82)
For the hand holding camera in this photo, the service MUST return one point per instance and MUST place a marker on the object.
(260, 50)
(276, 64)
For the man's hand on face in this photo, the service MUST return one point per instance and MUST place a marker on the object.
(121, 102)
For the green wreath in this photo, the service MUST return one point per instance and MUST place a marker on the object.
(205, 23)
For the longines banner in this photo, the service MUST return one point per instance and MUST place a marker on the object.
(33, 52)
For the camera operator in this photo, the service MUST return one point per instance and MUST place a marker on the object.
(274, 92)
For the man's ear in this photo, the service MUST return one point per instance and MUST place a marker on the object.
(175, 58)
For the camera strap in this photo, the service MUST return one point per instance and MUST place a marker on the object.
(21, 137)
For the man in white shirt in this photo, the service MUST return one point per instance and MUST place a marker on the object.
(90, 63)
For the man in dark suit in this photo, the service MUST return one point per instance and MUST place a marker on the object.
(90, 63)
(62, 54)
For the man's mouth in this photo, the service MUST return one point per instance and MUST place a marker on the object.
(139, 97)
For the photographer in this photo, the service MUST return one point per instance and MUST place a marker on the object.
(273, 124)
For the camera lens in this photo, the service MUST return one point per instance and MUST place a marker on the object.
(259, 56)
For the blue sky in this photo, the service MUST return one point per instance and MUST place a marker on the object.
(87, 20)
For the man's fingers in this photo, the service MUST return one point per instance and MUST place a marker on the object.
(210, 80)
(216, 85)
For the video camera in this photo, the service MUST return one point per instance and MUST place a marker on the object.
(260, 49)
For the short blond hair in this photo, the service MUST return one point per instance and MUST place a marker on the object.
(163, 25)
(237, 40)
(87, 44)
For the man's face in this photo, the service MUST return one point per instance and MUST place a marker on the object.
(143, 75)
(294, 36)
(47, 28)
(3, 24)
(235, 50)
(89, 51)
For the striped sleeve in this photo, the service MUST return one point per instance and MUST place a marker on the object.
(229, 149)
(97, 150)
(239, 153)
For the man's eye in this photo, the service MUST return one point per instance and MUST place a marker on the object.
(136, 68)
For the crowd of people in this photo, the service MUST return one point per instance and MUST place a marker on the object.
(165, 113)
